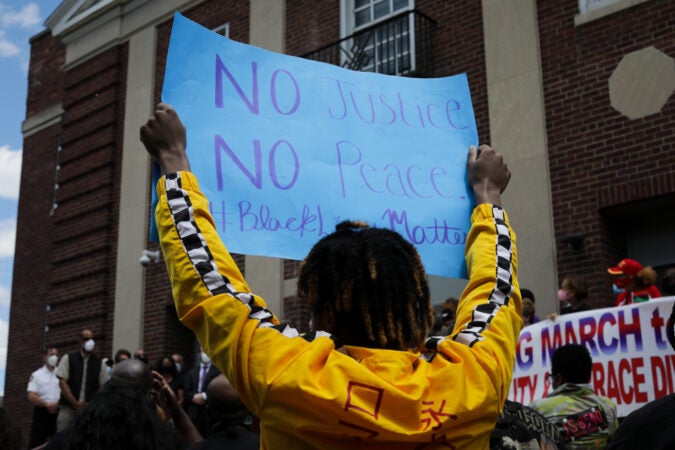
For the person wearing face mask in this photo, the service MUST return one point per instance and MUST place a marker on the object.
(572, 294)
(80, 374)
(43, 393)
(195, 391)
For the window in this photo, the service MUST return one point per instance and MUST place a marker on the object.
(383, 39)
(590, 10)
(590, 5)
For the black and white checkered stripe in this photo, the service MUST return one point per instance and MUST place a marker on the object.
(198, 251)
(482, 315)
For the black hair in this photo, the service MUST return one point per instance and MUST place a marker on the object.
(668, 281)
(121, 418)
(121, 352)
(164, 367)
(573, 362)
(375, 280)
(224, 405)
(526, 293)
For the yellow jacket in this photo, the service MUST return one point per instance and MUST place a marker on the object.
(310, 395)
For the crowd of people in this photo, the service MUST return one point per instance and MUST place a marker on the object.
(129, 402)
(631, 283)
(378, 369)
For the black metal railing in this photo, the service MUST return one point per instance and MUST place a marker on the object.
(400, 45)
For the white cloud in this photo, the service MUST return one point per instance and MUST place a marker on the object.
(10, 172)
(27, 17)
(7, 48)
(5, 295)
(7, 238)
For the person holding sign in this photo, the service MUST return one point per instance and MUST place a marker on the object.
(361, 382)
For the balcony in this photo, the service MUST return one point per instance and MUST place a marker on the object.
(400, 45)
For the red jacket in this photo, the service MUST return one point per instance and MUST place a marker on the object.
(639, 296)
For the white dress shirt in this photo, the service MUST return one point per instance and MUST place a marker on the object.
(45, 384)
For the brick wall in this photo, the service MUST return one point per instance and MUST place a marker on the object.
(600, 159)
(458, 48)
(163, 333)
(85, 223)
(209, 14)
(32, 266)
(66, 259)
(310, 25)
(45, 73)
(297, 313)
(35, 226)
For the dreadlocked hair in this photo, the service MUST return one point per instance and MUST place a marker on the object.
(375, 281)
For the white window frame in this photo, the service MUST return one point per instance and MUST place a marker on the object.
(590, 10)
(347, 28)
(223, 29)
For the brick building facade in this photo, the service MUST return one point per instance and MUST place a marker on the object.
(539, 74)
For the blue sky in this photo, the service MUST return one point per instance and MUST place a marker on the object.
(19, 20)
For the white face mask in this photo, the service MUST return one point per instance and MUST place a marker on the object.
(52, 360)
(89, 345)
(178, 366)
(205, 358)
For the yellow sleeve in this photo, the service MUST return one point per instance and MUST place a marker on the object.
(213, 299)
(489, 312)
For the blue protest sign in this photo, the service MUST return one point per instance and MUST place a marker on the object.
(284, 148)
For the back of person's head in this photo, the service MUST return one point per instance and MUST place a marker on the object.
(668, 281)
(573, 362)
(374, 280)
(576, 284)
(140, 354)
(526, 293)
(178, 359)
(166, 366)
(120, 417)
(645, 277)
(224, 403)
(132, 373)
(121, 355)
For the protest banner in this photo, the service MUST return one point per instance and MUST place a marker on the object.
(633, 362)
(285, 148)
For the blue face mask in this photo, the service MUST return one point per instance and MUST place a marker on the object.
(616, 290)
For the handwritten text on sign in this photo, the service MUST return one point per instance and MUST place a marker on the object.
(633, 363)
(285, 148)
